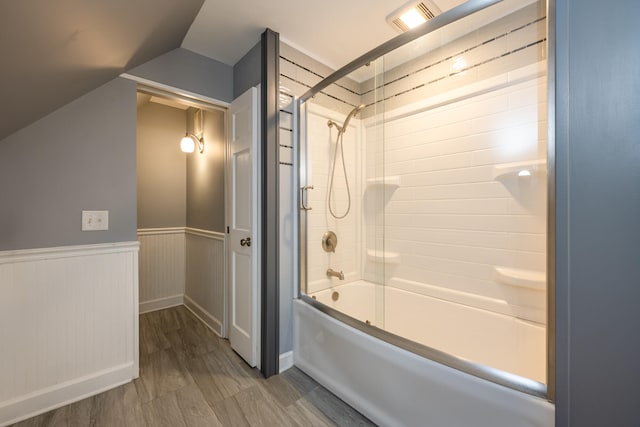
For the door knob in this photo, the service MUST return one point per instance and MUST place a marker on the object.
(245, 242)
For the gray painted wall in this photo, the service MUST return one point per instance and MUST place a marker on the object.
(82, 156)
(162, 167)
(247, 71)
(189, 71)
(205, 178)
(598, 213)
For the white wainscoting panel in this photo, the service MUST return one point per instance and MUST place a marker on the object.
(205, 278)
(162, 267)
(69, 325)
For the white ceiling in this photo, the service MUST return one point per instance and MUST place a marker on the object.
(331, 31)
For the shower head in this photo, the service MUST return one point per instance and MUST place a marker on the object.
(331, 123)
(351, 114)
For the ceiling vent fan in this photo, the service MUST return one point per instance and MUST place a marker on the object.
(412, 14)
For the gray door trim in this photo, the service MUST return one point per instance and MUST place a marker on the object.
(270, 202)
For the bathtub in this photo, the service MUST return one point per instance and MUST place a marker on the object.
(436, 318)
(393, 386)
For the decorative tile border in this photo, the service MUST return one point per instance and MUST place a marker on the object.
(343, 103)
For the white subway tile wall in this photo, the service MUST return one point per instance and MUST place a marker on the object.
(451, 222)
(299, 73)
(319, 221)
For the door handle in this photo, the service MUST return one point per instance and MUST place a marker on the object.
(245, 242)
(303, 199)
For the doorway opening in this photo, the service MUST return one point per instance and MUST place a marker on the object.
(183, 228)
(181, 216)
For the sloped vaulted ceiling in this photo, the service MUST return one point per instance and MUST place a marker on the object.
(53, 51)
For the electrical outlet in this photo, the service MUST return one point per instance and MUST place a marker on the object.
(95, 220)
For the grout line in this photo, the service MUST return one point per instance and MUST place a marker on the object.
(321, 92)
(318, 75)
(433, 64)
(451, 74)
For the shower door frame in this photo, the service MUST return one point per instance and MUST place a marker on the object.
(546, 391)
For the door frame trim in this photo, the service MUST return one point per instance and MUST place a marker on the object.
(270, 254)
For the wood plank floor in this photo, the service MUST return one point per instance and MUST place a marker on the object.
(189, 377)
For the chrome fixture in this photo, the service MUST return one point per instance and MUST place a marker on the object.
(342, 129)
(188, 141)
(340, 144)
(332, 273)
(329, 241)
(304, 196)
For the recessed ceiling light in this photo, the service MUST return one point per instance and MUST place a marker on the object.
(412, 14)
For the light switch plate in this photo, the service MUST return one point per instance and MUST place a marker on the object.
(95, 220)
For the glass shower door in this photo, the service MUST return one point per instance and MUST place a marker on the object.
(342, 169)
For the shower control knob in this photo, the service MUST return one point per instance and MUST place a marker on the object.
(329, 241)
(245, 242)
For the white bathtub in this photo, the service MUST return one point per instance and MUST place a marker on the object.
(394, 387)
(410, 310)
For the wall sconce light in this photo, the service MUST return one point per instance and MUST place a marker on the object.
(195, 126)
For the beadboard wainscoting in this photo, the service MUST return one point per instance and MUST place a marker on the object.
(205, 277)
(183, 265)
(162, 267)
(70, 325)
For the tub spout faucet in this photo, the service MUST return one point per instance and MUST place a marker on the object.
(332, 273)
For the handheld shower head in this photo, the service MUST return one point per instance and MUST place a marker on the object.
(351, 114)
(331, 123)
(340, 148)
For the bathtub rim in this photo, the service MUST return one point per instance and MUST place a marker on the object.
(496, 376)
(454, 296)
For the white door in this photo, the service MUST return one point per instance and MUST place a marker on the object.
(242, 221)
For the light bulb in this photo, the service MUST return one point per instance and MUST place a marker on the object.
(187, 145)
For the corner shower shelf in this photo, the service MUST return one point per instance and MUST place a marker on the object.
(382, 256)
(391, 182)
(534, 280)
(508, 170)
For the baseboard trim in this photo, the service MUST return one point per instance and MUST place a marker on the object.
(50, 398)
(286, 361)
(160, 303)
(205, 317)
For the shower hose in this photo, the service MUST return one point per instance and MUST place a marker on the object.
(339, 145)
